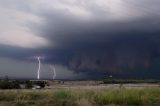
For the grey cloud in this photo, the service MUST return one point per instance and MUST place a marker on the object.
(105, 43)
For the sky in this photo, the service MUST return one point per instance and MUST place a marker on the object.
(83, 39)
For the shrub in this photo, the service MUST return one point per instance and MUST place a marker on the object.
(9, 85)
(28, 85)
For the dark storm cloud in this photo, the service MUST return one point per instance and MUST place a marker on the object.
(104, 46)
(106, 40)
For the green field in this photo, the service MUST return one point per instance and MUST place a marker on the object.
(81, 97)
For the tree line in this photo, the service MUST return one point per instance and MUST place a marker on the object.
(11, 84)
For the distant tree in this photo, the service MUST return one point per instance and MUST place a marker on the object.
(28, 84)
(41, 84)
(15, 85)
(9, 85)
(4, 85)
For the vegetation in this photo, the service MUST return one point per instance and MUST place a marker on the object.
(40, 83)
(29, 84)
(5, 84)
(79, 97)
(12, 84)
(130, 81)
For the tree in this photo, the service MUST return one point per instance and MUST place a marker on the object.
(9, 84)
(41, 84)
(28, 84)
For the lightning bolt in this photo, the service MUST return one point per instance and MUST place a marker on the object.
(54, 71)
(39, 68)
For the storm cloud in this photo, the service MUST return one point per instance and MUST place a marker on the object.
(119, 37)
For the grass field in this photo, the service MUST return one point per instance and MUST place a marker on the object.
(121, 96)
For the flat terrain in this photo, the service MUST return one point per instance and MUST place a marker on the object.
(84, 95)
(104, 86)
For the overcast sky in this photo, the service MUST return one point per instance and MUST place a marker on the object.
(85, 39)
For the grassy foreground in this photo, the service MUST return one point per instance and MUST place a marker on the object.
(79, 97)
